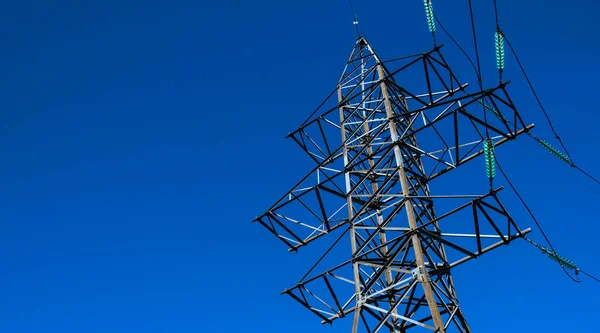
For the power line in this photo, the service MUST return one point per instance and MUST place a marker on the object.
(457, 45)
(533, 217)
(587, 174)
(596, 180)
(479, 79)
(589, 275)
(496, 14)
(477, 71)
(535, 94)
(476, 47)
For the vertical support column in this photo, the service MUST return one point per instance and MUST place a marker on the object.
(379, 216)
(350, 216)
(417, 248)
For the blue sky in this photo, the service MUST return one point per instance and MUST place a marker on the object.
(140, 138)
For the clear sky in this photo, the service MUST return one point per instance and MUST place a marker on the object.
(140, 138)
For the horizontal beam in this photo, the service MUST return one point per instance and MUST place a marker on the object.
(491, 247)
(474, 155)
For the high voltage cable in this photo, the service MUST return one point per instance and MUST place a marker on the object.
(479, 78)
(477, 72)
(587, 174)
(502, 35)
(457, 44)
(589, 275)
(500, 39)
(535, 94)
(596, 180)
(532, 217)
(476, 47)
(480, 82)
(557, 153)
(496, 14)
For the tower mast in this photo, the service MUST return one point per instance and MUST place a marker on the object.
(398, 276)
(416, 242)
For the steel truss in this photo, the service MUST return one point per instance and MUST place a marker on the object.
(374, 188)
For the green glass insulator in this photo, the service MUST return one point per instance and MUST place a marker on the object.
(560, 259)
(490, 158)
(429, 14)
(499, 41)
(491, 110)
(557, 153)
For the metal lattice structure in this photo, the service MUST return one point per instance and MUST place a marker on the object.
(377, 145)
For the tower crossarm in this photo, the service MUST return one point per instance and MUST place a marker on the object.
(320, 195)
(485, 226)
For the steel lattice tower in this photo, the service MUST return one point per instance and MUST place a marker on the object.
(373, 186)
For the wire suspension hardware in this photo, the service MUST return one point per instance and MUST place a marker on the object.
(535, 220)
(556, 257)
(559, 154)
(430, 19)
(492, 110)
(366, 184)
(499, 42)
(562, 261)
(588, 175)
(535, 94)
(374, 186)
(429, 14)
(490, 160)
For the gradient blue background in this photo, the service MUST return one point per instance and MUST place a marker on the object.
(139, 139)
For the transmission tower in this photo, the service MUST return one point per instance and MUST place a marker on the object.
(382, 136)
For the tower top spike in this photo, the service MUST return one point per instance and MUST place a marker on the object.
(362, 56)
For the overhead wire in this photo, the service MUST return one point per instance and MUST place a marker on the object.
(479, 79)
(457, 45)
(477, 69)
(594, 179)
(589, 275)
(496, 14)
(554, 151)
(558, 138)
(536, 95)
(586, 174)
(530, 212)
(562, 156)
(488, 142)
(539, 102)
(539, 226)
